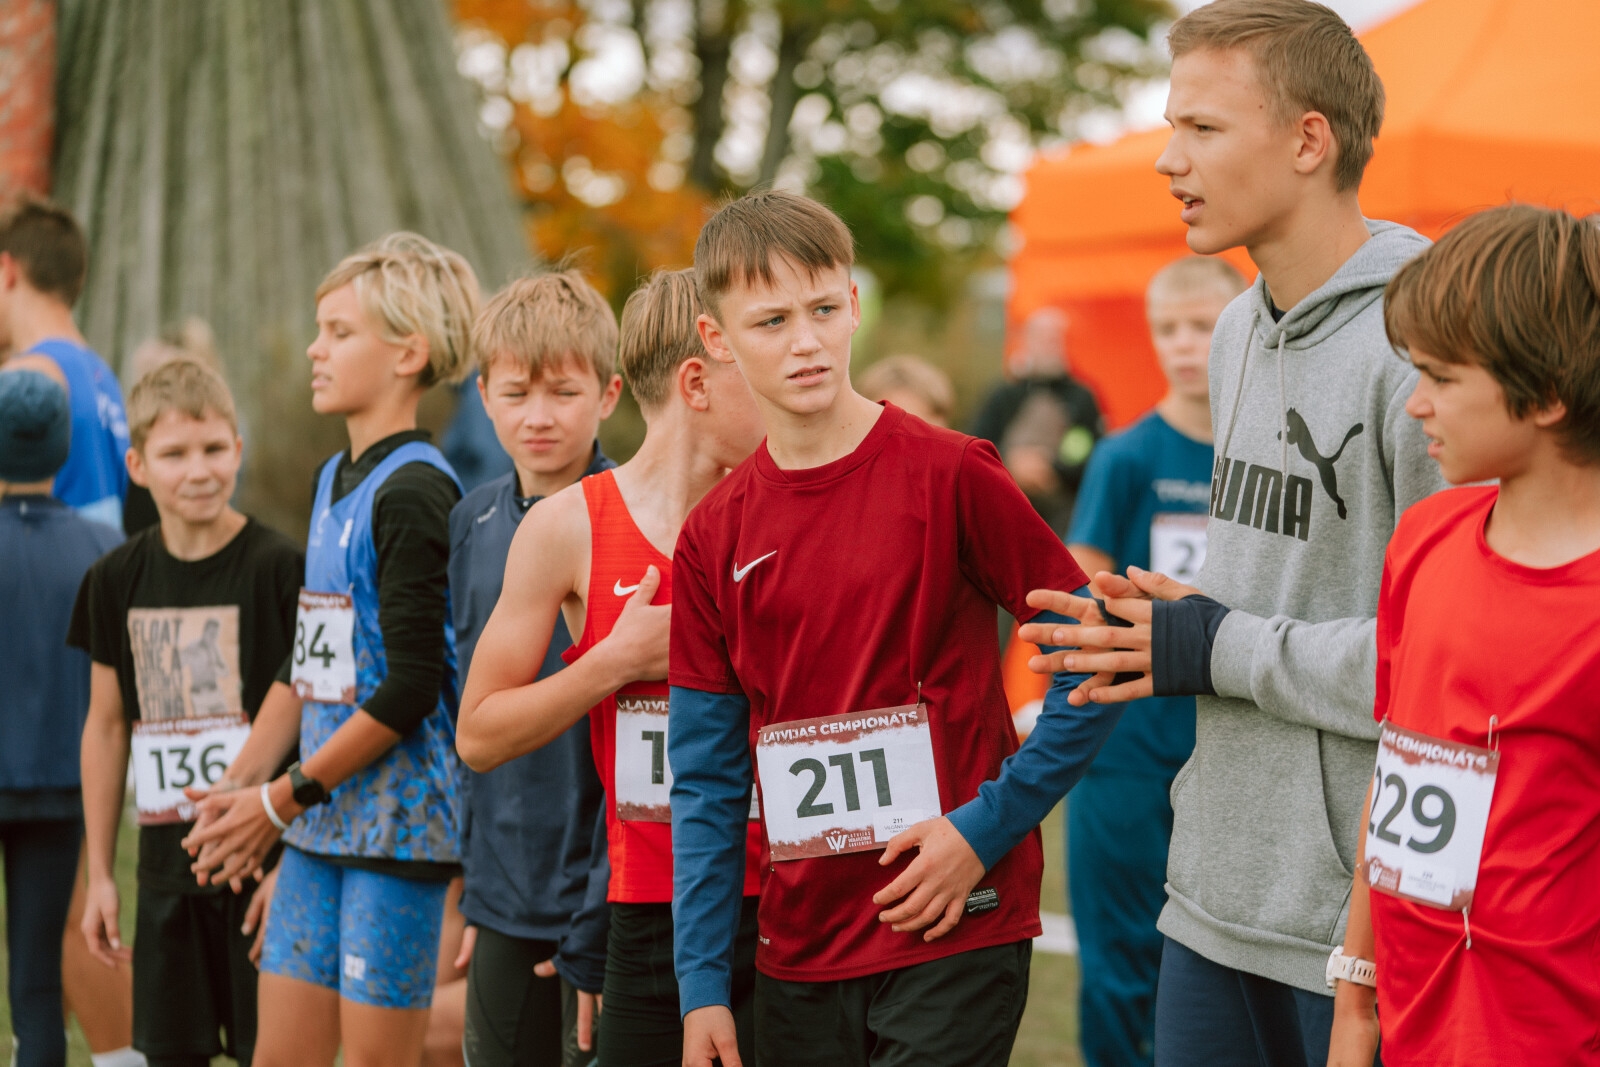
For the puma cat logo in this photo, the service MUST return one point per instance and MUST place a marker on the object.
(1300, 437)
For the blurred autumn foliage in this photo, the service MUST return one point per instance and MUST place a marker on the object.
(625, 120)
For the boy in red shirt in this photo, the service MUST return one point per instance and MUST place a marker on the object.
(834, 637)
(598, 554)
(1481, 853)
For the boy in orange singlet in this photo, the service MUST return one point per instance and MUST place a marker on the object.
(599, 555)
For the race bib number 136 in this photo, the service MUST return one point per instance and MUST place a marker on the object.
(1430, 810)
(846, 783)
(176, 754)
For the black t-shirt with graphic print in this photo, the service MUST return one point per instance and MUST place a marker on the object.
(188, 639)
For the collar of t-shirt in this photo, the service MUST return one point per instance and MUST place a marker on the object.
(598, 462)
(349, 475)
(870, 445)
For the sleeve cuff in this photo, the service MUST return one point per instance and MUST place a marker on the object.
(1232, 653)
(703, 989)
(582, 976)
(978, 825)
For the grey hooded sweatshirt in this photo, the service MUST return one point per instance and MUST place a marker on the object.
(1315, 461)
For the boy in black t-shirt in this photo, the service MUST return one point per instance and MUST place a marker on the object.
(186, 625)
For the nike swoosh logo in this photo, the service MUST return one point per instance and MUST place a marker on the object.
(624, 590)
(739, 572)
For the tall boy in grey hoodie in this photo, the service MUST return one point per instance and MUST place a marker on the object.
(1274, 106)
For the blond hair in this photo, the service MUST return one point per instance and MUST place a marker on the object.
(410, 286)
(183, 384)
(545, 321)
(739, 242)
(659, 332)
(905, 373)
(1307, 59)
(1195, 274)
(1515, 290)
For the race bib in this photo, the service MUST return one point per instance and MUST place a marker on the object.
(324, 650)
(170, 756)
(1430, 809)
(846, 783)
(642, 775)
(1178, 545)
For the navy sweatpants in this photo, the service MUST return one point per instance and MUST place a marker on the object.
(1118, 827)
(1208, 1015)
(41, 860)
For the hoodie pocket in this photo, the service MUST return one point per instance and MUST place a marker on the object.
(1251, 842)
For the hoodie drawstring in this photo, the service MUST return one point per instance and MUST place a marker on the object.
(1238, 391)
(1283, 413)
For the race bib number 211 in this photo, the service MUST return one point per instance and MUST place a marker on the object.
(846, 783)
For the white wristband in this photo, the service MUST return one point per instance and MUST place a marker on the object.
(266, 802)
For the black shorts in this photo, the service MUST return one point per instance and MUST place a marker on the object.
(194, 987)
(642, 1024)
(959, 1011)
(514, 1017)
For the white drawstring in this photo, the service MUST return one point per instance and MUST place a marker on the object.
(1283, 415)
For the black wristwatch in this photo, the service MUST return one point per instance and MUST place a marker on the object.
(308, 792)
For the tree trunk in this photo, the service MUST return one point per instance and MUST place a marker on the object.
(712, 39)
(783, 94)
(223, 156)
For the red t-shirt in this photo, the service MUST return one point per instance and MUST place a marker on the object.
(1464, 634)
(878, 573)
(640, 850)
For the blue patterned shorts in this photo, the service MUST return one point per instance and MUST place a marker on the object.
(372, 937)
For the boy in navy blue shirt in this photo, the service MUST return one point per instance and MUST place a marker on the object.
(45, 548)
(534, 847)
(1143, 504)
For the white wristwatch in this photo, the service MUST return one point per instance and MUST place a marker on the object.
(1351, 969)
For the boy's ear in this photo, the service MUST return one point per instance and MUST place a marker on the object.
(692, 384)
(1318, 147)
(609, 395)
(712, 338)
(1549, 415)
(134, 460)
(414, 360)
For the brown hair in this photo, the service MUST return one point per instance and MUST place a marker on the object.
(183, 384)
(737, 245)
(912, 375)
(545, 321)
(659, 333)
(1192, 274)
(408, 285)
(1515, 290)
(47, 243)
(1307, 60)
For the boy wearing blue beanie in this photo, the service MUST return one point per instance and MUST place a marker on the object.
(45, 548)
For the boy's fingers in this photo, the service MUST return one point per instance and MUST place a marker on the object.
(1137, 689)
(1158, 585)
(648, 585)
(1073, 607)
(1106, 585)
(952, 918)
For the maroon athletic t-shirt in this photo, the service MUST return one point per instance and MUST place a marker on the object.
(858, 583)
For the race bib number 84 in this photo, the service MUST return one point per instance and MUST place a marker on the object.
(846, 783)
(324, 667)
(173, 755)
(1430, 810)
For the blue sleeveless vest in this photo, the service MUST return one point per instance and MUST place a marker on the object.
(405, 805)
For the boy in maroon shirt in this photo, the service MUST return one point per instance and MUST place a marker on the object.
(833, 633)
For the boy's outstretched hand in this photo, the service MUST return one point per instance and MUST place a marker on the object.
(934, 886)
(1103, 651)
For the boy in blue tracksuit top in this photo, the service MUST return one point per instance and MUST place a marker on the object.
(43, 263)
(371, 815)
(1143, 504)
(45, 548)
(535, 842)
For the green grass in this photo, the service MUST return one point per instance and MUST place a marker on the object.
(1048, 1038)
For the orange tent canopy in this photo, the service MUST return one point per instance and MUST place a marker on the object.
(1488, 100)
